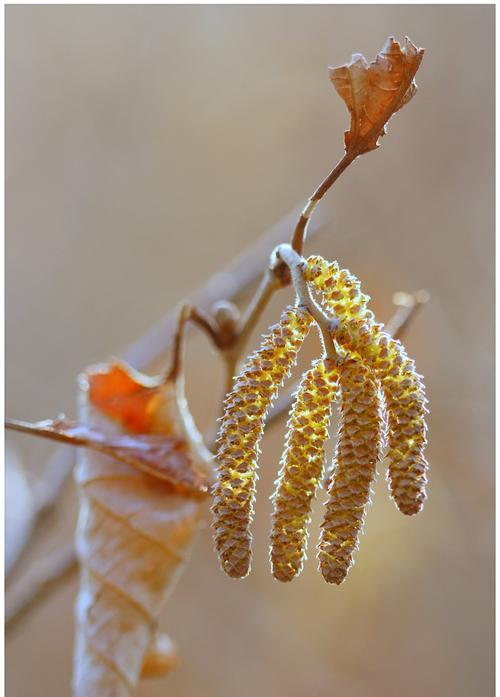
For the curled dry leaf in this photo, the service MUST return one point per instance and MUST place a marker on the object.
(135, 530)
(374, 91)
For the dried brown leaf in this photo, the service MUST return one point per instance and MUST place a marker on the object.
(374, 91)
(164, 457)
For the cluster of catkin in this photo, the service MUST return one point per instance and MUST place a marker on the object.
(241, 430)
(381, 400)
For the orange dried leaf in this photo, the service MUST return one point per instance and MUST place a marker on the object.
(162, 456)
(373, 92)
(125, 395)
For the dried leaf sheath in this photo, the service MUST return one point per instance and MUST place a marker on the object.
(402, 386)
(358, 451)
(302, 468)
(134, 534)
(241, 429)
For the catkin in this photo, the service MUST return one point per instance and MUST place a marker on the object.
(359, 449)
(302, 468)
(241, 429)
(402, 386)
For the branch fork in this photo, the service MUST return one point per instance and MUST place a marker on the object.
(327, 324)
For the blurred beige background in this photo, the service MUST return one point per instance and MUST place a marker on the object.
(147, 146)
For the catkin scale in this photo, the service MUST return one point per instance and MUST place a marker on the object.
(359, 449)
(402, 386)
(302, 468)
(241, 429)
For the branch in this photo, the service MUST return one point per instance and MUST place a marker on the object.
(327, 325)
(44, 577)
(228, 333)
(223, 326)
(46, 494)
(300, 231)
(269, 284)
(408, 304)
(233, 351)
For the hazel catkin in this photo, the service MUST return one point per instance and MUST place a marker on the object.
(402, 386)
(241, 429)
(302, 468)
(359, 449)
(407, 435)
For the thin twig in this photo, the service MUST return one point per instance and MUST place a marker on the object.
(185, 314)
(206, 322)
(229, 338)
(268, 285)
(408, 305)
(233, 352)
(300, 231)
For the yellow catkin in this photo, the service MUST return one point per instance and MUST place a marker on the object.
(241, 429)
(359, 449)
(402, 386)
(302, 468)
